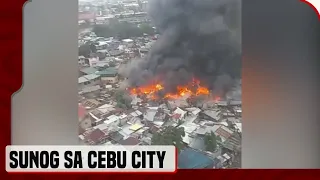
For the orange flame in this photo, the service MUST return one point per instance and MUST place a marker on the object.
(193, 89)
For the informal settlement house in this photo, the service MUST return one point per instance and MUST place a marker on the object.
(108, 75)
(88, 80)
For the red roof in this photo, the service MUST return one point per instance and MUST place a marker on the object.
(95, 136)
(131, 141)
(176, 116)
(81, 111)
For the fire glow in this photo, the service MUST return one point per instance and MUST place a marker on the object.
(193, 89)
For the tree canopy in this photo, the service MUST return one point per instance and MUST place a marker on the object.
(86, 49)
(210, 141)
(170, 136)
(123, 100)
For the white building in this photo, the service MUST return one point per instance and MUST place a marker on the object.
(93, 61)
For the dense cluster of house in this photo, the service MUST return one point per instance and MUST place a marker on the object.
(105, 11)
(103, 122)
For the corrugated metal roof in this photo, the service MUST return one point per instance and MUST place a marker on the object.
(88, 77)
(82, 80)
(91, 76)
(89, 70)
(108, 72)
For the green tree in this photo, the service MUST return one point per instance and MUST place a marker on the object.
(170, 136)
(210, 141)
(84, 50)
(122, 99)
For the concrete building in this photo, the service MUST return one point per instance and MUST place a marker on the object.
(108, 75)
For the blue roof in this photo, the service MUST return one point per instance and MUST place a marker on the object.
(192, 159)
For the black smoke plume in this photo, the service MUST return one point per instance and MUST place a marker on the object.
(198, 39)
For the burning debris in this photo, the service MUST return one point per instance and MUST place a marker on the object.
(196, 41)
(157, 90)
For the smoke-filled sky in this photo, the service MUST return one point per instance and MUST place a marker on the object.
(199, 39)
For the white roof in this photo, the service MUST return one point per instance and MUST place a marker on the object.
(158, 123)
(82, 80)
(150, 115)
(101, 43)
(136, 113)
(106, 108)
(239, 126)
(87, 38)
(221, 159)
(101, 18)
(95, 117)
(207, 129)
(127, 40)
(225, 155)
(111, 119)
(102, 126)
(187, 139)
(126, 131)
(88, 77)
(108, 143)
(136, 100)
(122, 116)
(194, 110)
(81, 137)
(180, 111)
(224, 123)
(212, 113)
(189, 127)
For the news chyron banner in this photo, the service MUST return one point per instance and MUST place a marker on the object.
(91, 159)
